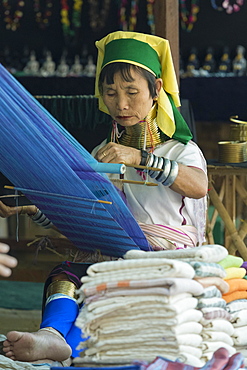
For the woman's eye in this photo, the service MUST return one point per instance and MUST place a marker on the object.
(132, 93)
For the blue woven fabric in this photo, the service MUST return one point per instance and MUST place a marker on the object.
(57, 174)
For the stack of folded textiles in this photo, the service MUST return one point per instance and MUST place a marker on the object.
(236, 299)
(216, 326)
(138, 309)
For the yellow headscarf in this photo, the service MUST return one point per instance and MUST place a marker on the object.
(165, 117)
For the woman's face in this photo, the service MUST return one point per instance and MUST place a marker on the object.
(127, 102)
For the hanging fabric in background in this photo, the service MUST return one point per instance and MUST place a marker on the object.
(42, 17)
(71, 23)
(12, 14)
(150, 16)
(60, 177)
(188, 17)
(128, 15)
(98, 17)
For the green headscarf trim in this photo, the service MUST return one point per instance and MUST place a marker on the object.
(122, 50)
(182, 132)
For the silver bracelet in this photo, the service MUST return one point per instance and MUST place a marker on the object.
(162, 176)
(159, 165)
(172, 175)
(155, 163)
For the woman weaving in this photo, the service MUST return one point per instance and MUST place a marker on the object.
(136, 85)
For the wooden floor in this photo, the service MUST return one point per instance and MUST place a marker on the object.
(21, 320)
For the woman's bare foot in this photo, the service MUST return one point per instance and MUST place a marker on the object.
(43, 344)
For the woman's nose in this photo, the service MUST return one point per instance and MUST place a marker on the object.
(122, 103)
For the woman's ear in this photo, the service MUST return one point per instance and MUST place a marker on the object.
(158, 85)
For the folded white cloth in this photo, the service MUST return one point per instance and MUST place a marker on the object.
(241, 349)
(189, 339)
(124, 309)
(189, 359)
(205, 253)
(108, 359)
(220, 325)
(216, 336)
(130, 301)
(239, 318)
(164, 265)
(194, 351)
(142, 327)
(213, 346)
(239, 336)
(147, 318)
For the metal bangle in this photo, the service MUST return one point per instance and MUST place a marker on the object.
(166, 170)
(154, 174)
(155, 162)
(172, 175)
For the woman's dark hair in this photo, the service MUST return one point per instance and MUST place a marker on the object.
(108, 72)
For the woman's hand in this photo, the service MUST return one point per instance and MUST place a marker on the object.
(116, 153)
(7, 211)
(6, 262)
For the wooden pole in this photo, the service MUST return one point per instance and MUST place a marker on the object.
(239, 244)
(166, 13)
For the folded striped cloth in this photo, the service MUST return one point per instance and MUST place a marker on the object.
(211, 302)
(158, 235)
(213, 313)
(168, 286)
(207, 269)
(239, 304)
(210, 292)
(204, 253)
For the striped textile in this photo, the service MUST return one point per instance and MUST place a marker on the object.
(168, 237)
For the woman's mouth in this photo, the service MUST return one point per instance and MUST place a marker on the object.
(124, 117)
